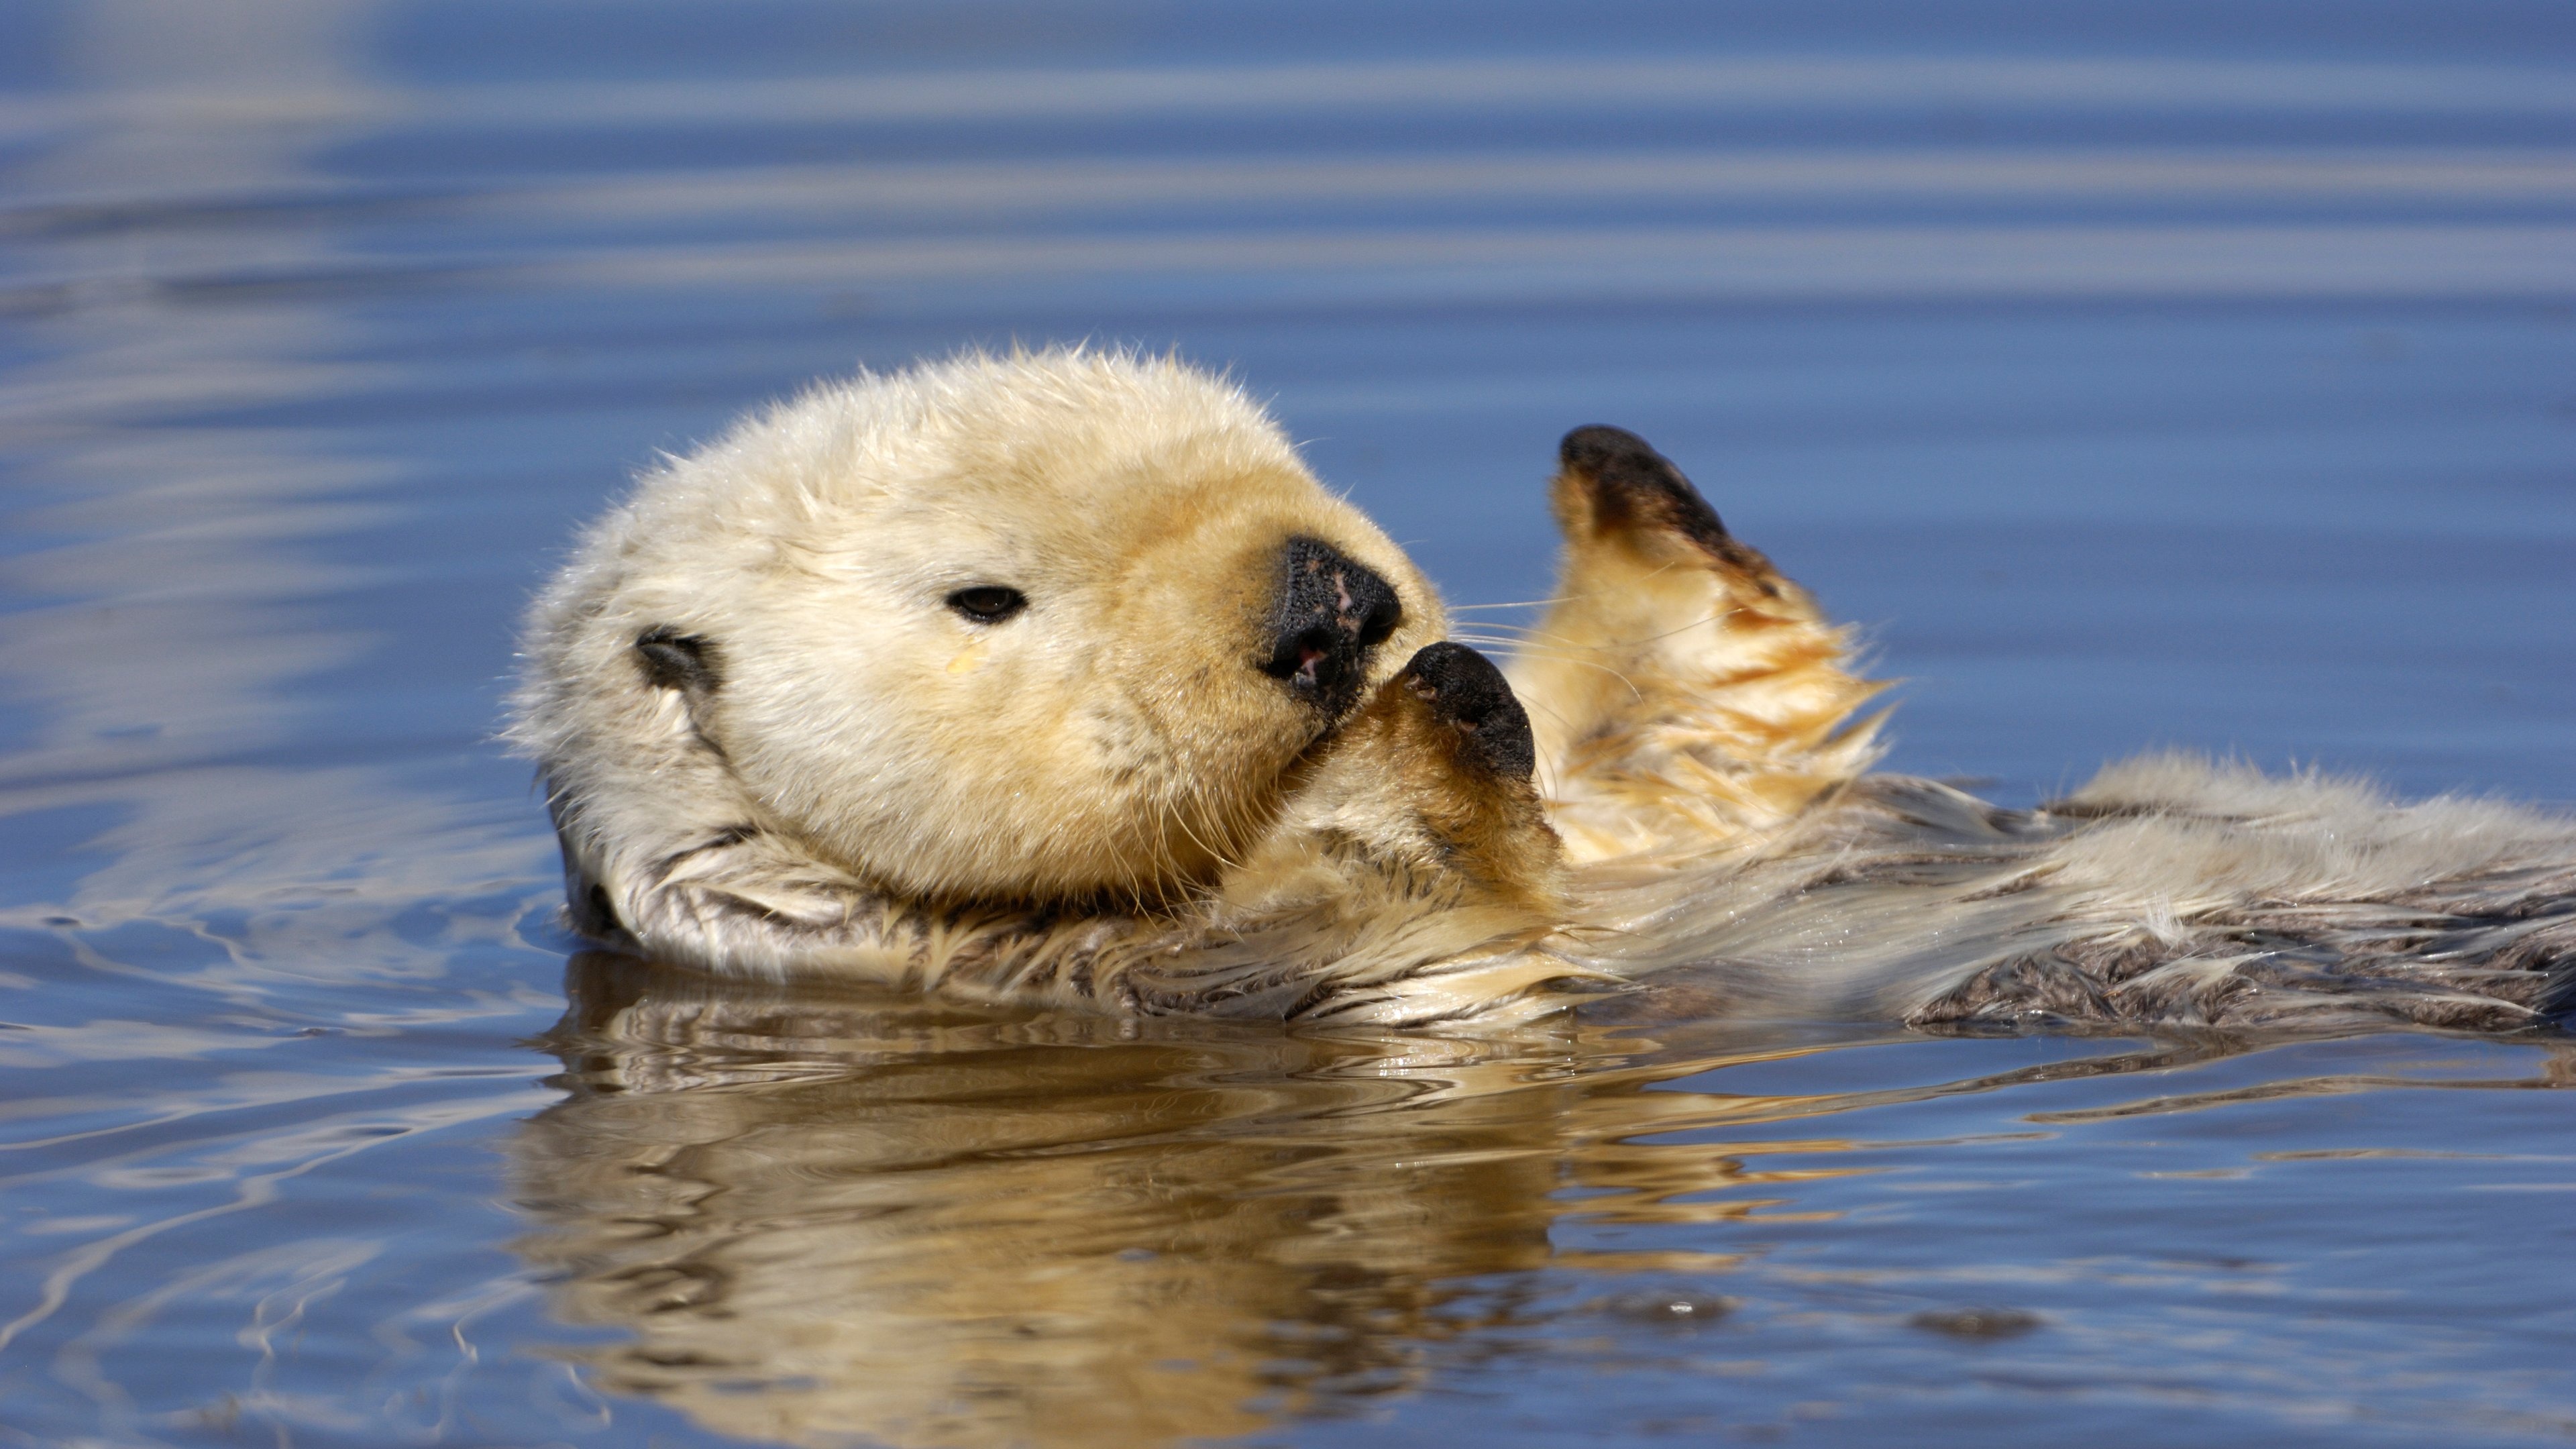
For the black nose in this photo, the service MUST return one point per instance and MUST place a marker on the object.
(1332, 610)
(1468, 693)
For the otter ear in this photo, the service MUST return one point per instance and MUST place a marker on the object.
(673, 660)
(1676, 665)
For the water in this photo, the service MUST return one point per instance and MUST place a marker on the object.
(2137, 374)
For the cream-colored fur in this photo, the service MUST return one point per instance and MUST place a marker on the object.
(1108, 742)
(1105, 799)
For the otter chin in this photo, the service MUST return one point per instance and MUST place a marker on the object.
(1058, 676)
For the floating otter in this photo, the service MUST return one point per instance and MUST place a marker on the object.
(1057, 676)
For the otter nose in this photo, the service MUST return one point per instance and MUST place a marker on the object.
(1331, 611)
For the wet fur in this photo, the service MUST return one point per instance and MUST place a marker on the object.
(1700, 824)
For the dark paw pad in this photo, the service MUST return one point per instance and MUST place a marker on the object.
(1633, 486)
(1468, 693)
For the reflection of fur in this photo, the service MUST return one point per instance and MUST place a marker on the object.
(770, 749)
(825, 1217)
(834, 1220)
(861, 1217)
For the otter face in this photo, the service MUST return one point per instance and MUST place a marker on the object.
(1051, 629)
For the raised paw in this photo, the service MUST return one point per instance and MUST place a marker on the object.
(1679, 686)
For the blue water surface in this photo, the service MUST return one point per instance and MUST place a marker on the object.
(2134, 374)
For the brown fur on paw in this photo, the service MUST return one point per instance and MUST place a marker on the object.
(1683, 692)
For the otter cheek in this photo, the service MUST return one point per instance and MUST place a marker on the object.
(1058, 786)
(1183, 646)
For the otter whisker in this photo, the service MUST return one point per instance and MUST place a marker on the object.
(1172, 811)
(1568, 657)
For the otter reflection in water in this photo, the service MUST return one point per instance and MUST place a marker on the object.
(820, 1218)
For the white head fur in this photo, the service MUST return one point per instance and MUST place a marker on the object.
(1106, 733)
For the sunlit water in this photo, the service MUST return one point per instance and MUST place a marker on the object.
(2138, 374)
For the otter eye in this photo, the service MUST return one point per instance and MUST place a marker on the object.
(989, 603)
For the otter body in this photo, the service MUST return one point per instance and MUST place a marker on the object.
(1057, 676)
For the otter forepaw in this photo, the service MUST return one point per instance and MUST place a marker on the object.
(1676, 663)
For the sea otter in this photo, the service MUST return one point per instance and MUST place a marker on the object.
(1057, 676)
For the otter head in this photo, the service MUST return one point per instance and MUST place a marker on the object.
(1043, 628)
